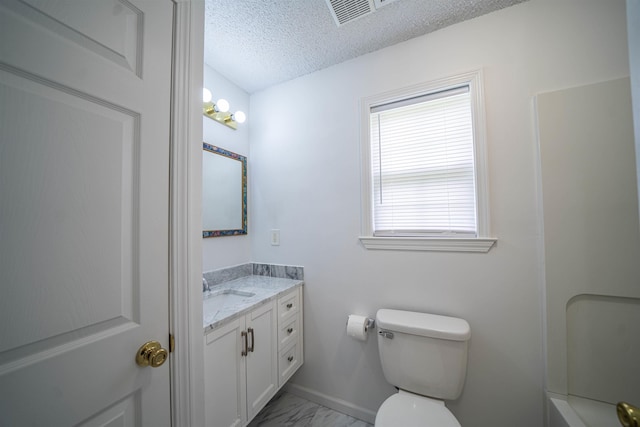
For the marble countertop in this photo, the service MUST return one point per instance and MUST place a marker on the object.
(264, 288)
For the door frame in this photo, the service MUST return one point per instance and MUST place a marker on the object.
(185, 217)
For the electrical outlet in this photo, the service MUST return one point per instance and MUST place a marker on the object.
(275, 237)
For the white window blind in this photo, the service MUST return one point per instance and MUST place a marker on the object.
(422, 165)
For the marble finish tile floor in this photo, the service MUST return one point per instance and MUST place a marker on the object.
(286, 409)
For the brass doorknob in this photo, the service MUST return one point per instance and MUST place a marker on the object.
(151, 354)
(628, 415)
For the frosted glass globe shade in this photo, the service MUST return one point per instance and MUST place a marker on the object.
(222, 105)
(206, 95)
(240, 117)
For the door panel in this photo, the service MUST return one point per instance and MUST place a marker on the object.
(127, 412)
(111, 29)
(84, 161)
(50, 215)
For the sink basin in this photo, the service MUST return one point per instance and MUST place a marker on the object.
(216, 300)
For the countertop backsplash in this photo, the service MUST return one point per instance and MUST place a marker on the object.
(227, 274)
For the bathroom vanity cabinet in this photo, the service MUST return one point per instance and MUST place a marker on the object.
(250, 357)
(289, 335)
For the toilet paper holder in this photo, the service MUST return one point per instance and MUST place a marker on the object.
(370, 324)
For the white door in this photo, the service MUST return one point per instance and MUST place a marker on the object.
(84, 175)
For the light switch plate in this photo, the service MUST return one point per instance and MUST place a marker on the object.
(275, 237)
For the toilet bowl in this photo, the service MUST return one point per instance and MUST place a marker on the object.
(425, 357)
(405, 409)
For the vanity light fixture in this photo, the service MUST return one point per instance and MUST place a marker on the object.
(219, 111)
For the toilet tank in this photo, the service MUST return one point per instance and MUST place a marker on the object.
(423, 353)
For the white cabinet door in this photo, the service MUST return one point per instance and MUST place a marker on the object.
(225, 391)
(84, 202)
(262, 362)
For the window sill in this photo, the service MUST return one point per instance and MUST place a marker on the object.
(482, 245)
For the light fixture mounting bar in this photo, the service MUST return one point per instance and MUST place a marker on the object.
(208, 109)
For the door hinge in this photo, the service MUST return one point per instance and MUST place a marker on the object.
(172, 343)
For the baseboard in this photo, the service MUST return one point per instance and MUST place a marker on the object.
(334, 403)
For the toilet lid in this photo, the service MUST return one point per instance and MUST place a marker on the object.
(409, 410)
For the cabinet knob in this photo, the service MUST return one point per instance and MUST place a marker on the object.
(290, 359)
(289, 330)
(289, 306)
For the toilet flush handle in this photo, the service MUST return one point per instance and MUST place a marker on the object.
(386, 334)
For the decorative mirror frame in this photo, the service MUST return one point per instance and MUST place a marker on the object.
(243, 161)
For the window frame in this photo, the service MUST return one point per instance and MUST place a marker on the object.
(482, 242)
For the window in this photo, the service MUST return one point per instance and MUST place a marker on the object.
(423, 168)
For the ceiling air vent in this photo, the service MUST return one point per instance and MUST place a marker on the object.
(380, 3)
(344, 11)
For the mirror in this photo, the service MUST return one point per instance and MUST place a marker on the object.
(224, 192)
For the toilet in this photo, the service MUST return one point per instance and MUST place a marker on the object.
(425, 357)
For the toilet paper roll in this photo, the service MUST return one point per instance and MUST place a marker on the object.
(357, 327)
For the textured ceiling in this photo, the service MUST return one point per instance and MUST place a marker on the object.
(259, 43)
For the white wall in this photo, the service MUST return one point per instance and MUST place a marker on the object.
(226, 251)
(305, 181)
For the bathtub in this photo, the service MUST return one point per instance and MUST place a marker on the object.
(571, 411)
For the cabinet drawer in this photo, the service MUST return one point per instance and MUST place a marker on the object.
(289, 332)
(288, 305)
(290, 361)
